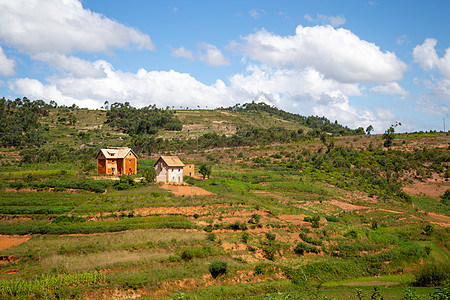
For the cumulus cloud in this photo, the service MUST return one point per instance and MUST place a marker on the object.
(182, 52)
(391, 89)
(427, 58)
(72, 65)
(334, 21)
(141, 89)
(212, 56)
(6, 65)
(337, 53)
(63, 27)
(425, 55)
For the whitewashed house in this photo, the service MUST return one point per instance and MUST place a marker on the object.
(169, 169)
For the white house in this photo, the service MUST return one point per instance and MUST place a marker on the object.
(169, 169)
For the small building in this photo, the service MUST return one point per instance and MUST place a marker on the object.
(116, 161)
(188, 170)
(169, 169)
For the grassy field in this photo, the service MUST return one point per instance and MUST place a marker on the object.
(292, 221)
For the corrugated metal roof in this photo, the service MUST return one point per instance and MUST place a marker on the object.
(116, 152)
(171, 161)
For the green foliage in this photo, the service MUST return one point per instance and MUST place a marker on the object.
(245, 236)
(218, 268)
(432, 274)
(146, 120)
(149, 175)
(445, 198)
(205, 170)
(19, 122)
(97, 186)
(302, 248)
(126, 182)
(48, 285)
(314, 122)
(189, 253)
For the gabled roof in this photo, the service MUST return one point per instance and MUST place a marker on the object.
(171, 161)
(115, 152)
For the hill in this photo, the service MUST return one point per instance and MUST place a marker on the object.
(282, 216)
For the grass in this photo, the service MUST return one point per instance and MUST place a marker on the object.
(163, 255)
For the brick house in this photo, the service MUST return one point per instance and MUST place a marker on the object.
(116, 161)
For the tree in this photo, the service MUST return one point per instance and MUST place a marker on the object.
(369, 129)
(388, 138)
(205, 170)
(150, 175)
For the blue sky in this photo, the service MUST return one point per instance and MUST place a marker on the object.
(359, 62)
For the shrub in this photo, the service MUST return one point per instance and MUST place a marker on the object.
(211, 237)
(303, 248)
(245, 237)
(432, 275)
(217, 268)
(271, 236)
(445, 198)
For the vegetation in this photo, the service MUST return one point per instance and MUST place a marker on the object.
(296, 208)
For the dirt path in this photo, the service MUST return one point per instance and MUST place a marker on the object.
(8, 241)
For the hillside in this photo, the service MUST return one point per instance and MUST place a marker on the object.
(299, 217)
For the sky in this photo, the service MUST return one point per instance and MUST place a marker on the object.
(359, 62)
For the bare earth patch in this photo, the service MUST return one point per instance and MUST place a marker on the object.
(8, 241)
(183, 190)
(430, 188)
(347, 206)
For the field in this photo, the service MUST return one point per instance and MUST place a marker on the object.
(331, 218)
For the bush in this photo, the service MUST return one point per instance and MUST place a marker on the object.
(217, 268)
(303, 248)
(245, 237)
(432, 275)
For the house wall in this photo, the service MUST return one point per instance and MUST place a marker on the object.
(188, 170)
(161, 172)
(130, 164)
(111, 166)
(101, 166)
(175, 175)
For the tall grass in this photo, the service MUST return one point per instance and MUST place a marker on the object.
(48, 284)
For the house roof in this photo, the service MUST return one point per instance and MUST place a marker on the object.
(171, 161)
(115, 152)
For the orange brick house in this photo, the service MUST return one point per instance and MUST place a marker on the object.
(116, 161)
(188, 170)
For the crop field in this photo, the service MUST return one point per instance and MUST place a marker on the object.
(273, 222)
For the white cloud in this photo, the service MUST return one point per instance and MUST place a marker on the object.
(212, 56)
(6, 65)
(140, 89)
(334, 21)
(73, 65)
(63, 27)
(182, 52)
(432, 107)
(337, 53)
(425, 55)
(391, 89)
(427, 58)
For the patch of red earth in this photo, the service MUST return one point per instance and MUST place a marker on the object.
(430, 188)
(8, 241)
(183, 190)
(347, 206)
(13, 271)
